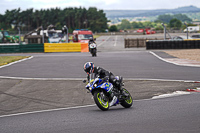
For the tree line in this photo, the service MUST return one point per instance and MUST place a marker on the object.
(174, 22)
(73, 18)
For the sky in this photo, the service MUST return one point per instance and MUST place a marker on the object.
(99, 4)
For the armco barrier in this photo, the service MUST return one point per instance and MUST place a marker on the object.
(28, 48)
(173, 44)
(65, 47)
(47, 47)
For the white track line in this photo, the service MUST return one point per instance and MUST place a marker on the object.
(24, 78)
(115, 41)
(167, 80)
(78, 107)
(59, 109)
(16, 62)
(77, 79)
(103, 41)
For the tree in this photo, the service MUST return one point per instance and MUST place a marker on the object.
(164, 18)
(183, 17)
(137, 25)
(113, 28)
(125, 24)
(134, 25)
(73, 18)
(140, 25)
(175, 23)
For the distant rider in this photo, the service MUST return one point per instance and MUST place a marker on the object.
(90, 42)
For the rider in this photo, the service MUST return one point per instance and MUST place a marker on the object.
(102, 73)
(90, 42)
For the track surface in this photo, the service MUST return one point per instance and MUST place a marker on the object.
(129, 64)
(176, 114)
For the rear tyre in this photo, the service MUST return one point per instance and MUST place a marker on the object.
(127, 102)
(100, 102)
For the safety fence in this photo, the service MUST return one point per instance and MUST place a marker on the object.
(137, 42)
(173, 44)
(46, 47)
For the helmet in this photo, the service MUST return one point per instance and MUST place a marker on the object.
(88, 67)
(91, 38)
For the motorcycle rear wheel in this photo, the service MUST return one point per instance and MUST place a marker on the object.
(127, 102)
(100, 102)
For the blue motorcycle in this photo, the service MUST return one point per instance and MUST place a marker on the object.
(106, 95)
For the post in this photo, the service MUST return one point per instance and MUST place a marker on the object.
(187, 29)
(19, 35)
(67, 36)
(164, 31)
(42, 35)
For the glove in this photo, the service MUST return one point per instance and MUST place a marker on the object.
(117, 83)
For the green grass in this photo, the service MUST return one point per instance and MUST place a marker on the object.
(8, 59)
(96, 36)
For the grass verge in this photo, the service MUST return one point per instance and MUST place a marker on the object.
(4, 60)
(96, 36)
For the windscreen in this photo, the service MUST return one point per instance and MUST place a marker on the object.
(84, 37)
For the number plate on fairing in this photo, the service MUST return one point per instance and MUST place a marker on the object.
(107, 86)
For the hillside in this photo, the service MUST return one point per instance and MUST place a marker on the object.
(149, 13)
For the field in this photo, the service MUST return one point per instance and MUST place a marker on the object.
(8, 59)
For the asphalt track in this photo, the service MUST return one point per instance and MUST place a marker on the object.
(169, 115)
(176, 114)
(129, 64)
(136, 63)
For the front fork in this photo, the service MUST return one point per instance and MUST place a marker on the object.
(103, 96)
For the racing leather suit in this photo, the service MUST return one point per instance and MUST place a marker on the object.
(102, 73)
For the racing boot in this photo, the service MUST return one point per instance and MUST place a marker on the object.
(120, 88)
(113, 102)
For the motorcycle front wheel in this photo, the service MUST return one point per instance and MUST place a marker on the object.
(100, 100)
(127, 102)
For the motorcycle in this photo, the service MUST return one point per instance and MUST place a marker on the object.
(93, 49)
(106, 95)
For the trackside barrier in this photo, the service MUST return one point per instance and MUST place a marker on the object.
(173, 44)
(65, 47)
(28, 48)
(47, 47)
(137, 42)
(84, 47)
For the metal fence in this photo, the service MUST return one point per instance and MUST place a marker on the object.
(138, 42)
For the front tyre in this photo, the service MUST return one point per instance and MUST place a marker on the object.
(101, 101)
(95, 52)
(127, 102)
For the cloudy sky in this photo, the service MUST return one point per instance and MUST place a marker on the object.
(100, 4)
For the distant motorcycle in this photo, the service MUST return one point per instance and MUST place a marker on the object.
(93, 49)
(101, 91)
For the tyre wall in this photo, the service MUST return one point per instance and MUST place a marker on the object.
(173, 44)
